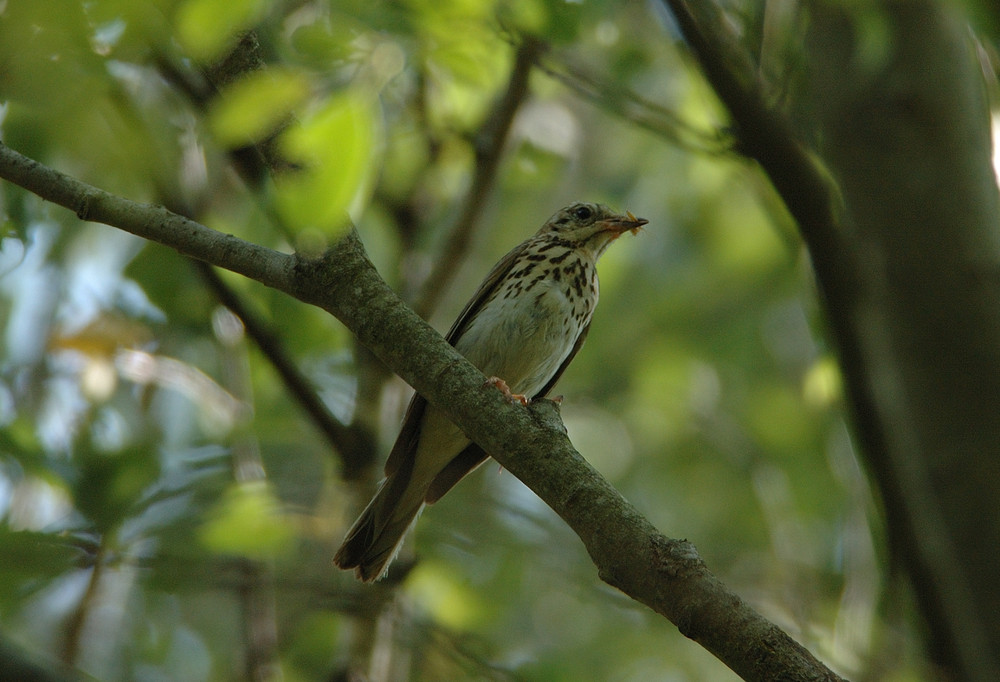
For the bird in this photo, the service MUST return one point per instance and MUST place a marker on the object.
(521, 328)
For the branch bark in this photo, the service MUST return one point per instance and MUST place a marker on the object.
(665, 574)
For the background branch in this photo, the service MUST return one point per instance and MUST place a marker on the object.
(488, 148)
(896, 248)
(628, 105)
(354, 444)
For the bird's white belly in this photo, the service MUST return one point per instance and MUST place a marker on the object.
(524, 339)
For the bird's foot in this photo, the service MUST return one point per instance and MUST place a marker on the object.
(505, 389)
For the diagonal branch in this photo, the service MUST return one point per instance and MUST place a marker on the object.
(619, 100)
(765, 135)
(667, 575)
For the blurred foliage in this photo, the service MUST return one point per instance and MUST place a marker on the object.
(706, 391)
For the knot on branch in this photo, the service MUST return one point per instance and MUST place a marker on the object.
(546, 413)
(676, 559)
(83, 204)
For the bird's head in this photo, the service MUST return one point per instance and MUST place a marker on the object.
(590, 226)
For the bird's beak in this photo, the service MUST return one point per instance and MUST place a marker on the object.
(622, 224)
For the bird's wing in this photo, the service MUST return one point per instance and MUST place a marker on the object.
(409, 435)
(562, 368)
(483, 293)
(457, 469)
(406, 442)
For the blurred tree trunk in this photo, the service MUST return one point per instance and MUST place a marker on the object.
(906, 247)
(900, 104)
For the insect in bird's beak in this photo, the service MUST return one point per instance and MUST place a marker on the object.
(620, 225)
(641, 221)
(628, 224)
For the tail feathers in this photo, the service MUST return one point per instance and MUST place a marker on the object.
(375, 538)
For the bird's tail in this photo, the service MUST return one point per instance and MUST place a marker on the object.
(375, 538)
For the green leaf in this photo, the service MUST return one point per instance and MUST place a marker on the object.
(207, 27)
(248, 521)
(30, 560)
(323, 44)
(252, 108)
(335, 147)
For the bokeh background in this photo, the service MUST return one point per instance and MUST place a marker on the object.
(168, 511)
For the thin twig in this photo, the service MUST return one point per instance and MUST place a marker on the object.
(355, 444)
(489, 144)
(77, 621)
(637, 110)
(256, 589)
(761, 132)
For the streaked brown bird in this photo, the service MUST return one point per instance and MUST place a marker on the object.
(522, 328)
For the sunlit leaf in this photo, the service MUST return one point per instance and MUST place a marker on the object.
(248, 521)
(207, 27)
(822, 384)
(324, 44)
(253, 107)
(466, 57)
(335, 147)
(449, 601)
(528, 16)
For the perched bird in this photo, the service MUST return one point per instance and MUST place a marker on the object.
(522, 328)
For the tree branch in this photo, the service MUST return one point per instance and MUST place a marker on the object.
(666, 575)
(619, 100)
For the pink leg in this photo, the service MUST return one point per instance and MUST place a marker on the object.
(505, 389)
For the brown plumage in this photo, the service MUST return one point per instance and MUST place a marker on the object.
(523, 325)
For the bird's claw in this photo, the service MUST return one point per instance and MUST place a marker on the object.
(505, 389)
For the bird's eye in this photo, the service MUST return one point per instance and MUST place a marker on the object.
(583, 213)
